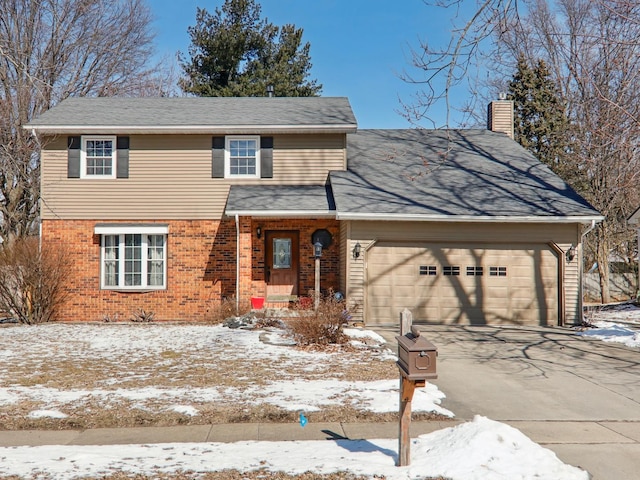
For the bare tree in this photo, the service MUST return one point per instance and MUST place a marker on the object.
(51, 50)
(592, 49)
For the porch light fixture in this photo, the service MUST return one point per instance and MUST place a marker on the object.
(571, 253)
(356, 250)
(259, 232)
(317, 249)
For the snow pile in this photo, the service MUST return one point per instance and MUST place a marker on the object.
(612, 332)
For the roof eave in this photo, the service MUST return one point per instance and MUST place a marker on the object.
(282, 213)
(470, 218)
(190, 129)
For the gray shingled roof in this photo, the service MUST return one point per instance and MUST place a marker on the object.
(203, 114)
(283, 200)
(462, 174)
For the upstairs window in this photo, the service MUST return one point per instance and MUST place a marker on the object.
(98, 157)
(242, 156)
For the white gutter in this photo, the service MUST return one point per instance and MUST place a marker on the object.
(237, 264)
(593, 225)
(468, 218)
(282, 213)
(581, 266)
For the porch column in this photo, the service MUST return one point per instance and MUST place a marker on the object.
(244, 260)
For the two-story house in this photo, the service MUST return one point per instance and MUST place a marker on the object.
(172, 204)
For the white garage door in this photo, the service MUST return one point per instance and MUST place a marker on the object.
(462, 284)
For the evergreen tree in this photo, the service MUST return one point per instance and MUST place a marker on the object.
(541, 124)
(235, 52)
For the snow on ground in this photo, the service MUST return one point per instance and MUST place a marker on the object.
(615, 323)
(613, 332)
(478, 450)
(482, 449)
(109, 343)
(626, 312)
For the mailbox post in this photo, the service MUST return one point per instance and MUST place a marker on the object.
(417, 364)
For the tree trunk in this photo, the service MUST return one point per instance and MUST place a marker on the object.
(603, 271)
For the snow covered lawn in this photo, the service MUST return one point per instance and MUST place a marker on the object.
(107, 375)
(61, 376)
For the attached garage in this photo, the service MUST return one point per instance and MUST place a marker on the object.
(463, 283)
(460, 227)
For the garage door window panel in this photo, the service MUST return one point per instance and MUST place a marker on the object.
(475, 271)
(498, 271)
(451, 270)
(429, 270)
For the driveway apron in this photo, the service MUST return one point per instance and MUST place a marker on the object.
(578, 396)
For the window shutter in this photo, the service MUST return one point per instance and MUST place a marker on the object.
(266, 157)
(73, 157)
(122, 157)
(217, 157)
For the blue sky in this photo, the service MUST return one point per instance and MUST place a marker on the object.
(358, 47)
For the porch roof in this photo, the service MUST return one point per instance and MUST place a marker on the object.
(292, 201)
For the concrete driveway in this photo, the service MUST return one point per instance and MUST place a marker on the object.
(576, 396)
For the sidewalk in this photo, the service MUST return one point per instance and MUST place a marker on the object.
(548, 433)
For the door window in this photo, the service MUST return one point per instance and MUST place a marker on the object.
(281, 253)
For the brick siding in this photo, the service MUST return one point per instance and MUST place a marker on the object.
(201, 267)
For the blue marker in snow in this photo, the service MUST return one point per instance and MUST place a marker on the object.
(303, 420)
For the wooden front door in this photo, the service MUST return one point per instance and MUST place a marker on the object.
(281, 263)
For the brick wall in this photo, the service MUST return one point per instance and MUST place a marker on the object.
(200, 271)
(201, 267)
(329, 264)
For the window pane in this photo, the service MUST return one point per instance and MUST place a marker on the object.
(133, 260)
(242, 157)
(99, 157)
(111, 261)
(155, 260)
(281, 253)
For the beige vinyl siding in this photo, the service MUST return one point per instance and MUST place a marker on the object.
(480, 234)
(306, 159)
(170, 177)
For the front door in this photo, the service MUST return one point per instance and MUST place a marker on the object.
(281, 263)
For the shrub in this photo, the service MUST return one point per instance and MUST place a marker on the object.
(31, 280)
(226, 308)
(141, 316)
(321, 326)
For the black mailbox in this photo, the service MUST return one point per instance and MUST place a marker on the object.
(416, 356)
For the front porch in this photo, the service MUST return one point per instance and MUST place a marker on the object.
(276, 259)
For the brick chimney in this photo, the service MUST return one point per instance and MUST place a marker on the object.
(500, 116)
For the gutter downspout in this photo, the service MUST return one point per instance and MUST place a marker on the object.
(237, 264)
(34, 134)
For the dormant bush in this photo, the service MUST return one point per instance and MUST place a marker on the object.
(321, 326)
(31, 278)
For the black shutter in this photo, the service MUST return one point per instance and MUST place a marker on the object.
(73, 157)
(266, 157)
(122, 157)
(217, 157)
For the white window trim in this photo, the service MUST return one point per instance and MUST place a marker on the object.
(227, 155)
(120, 229)
(83, 156)
(121, 247)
